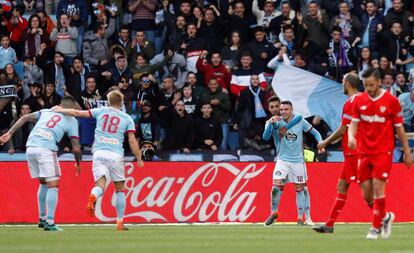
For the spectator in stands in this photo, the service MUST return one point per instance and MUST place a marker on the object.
(394, 45)
(95, 48)
(140, 45)
(265, 16)
(220, 102)
(7, 54)
(35, 100)
(65, 37)
(339, 55)
(10, 77)
(401, 82)
(230, 53)
(166, 102)
(89, 96)
(348, 22)
(32, 74)
(175, 67)
(46, 23)
(77, 77)
(164, 19)
(197, 89)
(124, 85)
(143, 17)
(251, 114)
(16, 26)
(291, 41)
(368, 33)
(185, 11)
(207, 130)
(389, 85)
(407, 103)
(123, 37)
(214, 68)
(54, 72)
(148, 127)
(120, 68)
(191, 104)
(177, 33)
(148, 91)
(385, 65)
(239, 20)
(18, 142)
(180, 129)
(316, 24)
(77, 11)
(142, 66)
(261, 50)
(240, 79)
(398, 14)
(213, 29)
(287, 17)
(192, 47)
(35, 36)
(49, 96)
(364, 61)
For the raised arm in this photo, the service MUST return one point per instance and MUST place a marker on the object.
(133, 144)
(26, 118)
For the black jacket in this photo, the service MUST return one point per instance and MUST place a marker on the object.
(207, 129)
(245, 112)
(180, 132)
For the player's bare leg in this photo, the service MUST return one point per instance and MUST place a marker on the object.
(308, 219)
(51, 203)
(96, 192)
(382, 220)
(41, 202)
(300, 202)
(342, 189)
(276, 194)
(120, 205)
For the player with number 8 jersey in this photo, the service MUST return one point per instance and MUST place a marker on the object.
(108, 154)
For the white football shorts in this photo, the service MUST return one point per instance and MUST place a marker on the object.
(290, 172)
(108, 164)
(43, 163)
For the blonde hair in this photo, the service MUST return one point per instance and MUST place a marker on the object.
(115, 98)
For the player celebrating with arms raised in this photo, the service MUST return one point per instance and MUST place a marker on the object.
(350, 84)
(108, 153)
(42, 158)
(290, 165)
(375, 114)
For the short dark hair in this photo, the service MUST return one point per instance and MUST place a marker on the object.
(273, 99)
(374, 72)
(97, 27)
(287, 102)
(353, 79)
(124, 27)
(337, 29)
(68, 99)
(77, 58)
(145, 74)
(90, 75)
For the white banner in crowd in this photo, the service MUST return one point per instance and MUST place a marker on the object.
(310, 94)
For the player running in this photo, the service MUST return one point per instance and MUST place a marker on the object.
(41, 155)
(375, 115)
(349, 171)
(108, 153)
(290, 165)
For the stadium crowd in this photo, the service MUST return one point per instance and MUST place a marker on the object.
(194, 73)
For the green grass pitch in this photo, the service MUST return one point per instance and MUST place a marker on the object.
(202, 238)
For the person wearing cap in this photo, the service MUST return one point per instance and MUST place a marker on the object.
(261, 50)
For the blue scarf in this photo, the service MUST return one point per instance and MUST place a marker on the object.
(258, 107)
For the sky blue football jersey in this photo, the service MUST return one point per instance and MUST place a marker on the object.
(50, 128)
(111, 126)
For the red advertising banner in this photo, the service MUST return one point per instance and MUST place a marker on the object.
(195, 192)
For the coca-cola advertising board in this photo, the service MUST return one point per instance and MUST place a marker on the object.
(176, 192)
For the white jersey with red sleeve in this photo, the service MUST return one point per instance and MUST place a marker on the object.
(347, 112)
(377, 118)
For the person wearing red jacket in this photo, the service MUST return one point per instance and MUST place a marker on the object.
(214, 69)
(17, 26)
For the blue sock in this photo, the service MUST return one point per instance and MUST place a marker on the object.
(307, 203)
(275, 197)
(97, 191)
(120, 205)
(300, 203)
(41, 200)
(51, 203)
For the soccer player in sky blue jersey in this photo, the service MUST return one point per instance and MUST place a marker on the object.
(108, 154)
(42, 158)
(290, 165)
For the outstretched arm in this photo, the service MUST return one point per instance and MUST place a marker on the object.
(26, 118)
(333, 137)
(72, 112)
(316, 134)
(133, 144)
